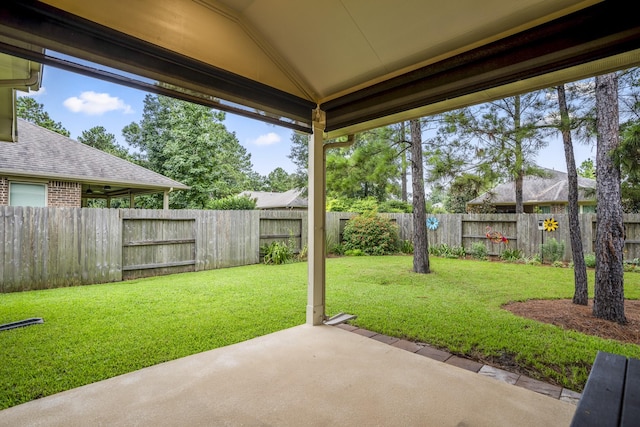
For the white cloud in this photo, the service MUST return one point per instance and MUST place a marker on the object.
(95, 104)
(267, 139)
(32, 93)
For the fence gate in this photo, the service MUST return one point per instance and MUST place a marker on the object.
(157, 246)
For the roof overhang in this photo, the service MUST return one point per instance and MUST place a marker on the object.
(279, 61)
(135, 186)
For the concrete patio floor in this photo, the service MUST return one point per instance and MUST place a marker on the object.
(303, 376)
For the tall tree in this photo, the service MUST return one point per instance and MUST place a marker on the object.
(403, 162)
(499, 138)
(420, 242)
(587, 169)
(98, 137)
(299, 155)
(580, 294)
(32, 111)
(608, 301)
(464, 188)
(369, 168)
(189, 143)
(628, 153)
(279, 180)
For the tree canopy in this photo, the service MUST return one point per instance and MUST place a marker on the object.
(32, 111)
(189, 143)
(98, 137)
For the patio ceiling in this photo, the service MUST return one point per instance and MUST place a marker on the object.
(366, 63)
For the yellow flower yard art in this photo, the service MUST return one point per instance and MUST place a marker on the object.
(550, 224)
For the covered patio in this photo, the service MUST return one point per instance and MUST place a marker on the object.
(331, 69)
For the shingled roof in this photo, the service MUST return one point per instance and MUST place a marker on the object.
(551, 189)
(271, 200)
(41, 153)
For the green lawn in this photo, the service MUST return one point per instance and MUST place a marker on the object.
(96, 332)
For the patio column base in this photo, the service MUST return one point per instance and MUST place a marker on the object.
(315, 315)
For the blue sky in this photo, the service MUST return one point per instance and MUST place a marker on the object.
(80, 103)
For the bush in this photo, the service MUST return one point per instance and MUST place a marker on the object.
(446, 251)
(304, 253)
(511, 254)
(534, 260)
(553, 250)
(337, 249)
(277, 253)
(479, 250)
(372, 234)
(395, 206)
(361, 206)
(338, 205)
(354, 252)
(590, 260)
(232, 203)
(406, 247)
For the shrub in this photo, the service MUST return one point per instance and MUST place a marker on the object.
(304, 253)
(534, 260)
(372, 234)
(590, 260)
(553, 250)
(338, 205)
(558, 264)
(277, 253)
(237, 203)
(446, 251)
(511, 254)
(337, 249)
(479, 250)
(397, 206)
(406, 247)
(354, 252)
(456, 252)
(362, 206)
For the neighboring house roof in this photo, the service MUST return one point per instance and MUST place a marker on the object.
(551, 189)
(270, 200)
(41, 153)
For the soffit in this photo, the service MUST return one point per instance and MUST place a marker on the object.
(319, 50)
(365, 62)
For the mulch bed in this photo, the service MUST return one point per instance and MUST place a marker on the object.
(580, 318)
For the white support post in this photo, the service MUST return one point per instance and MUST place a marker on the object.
(165, 200)
(316, 233)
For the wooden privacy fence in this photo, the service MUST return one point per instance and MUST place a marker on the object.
(43, 248)
(522, 232)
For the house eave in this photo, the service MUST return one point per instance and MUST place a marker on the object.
(89, 180)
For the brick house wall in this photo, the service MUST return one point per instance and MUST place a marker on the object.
(558, 209)
(4, 191)
(60, 194)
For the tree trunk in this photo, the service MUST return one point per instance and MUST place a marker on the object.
(420, 242)
(519, 193)
(519, 155)
(404, 165)
(608, 300)
(580, 294)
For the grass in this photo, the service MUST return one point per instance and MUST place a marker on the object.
(96, 332)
